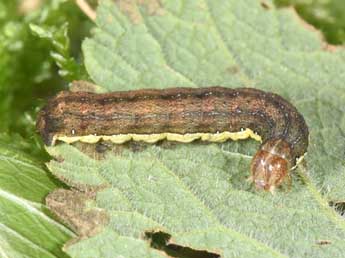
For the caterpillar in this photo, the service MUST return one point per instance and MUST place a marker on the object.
(213, 114)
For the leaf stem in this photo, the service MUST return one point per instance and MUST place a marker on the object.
(86, 9)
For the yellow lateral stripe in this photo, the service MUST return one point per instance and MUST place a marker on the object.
(152, 138)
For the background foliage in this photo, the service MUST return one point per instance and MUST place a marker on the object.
(40, 54)
(27, 70)
(326, 15)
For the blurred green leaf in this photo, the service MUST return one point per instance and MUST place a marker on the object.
(326, 15)
(27, 71)
(196, 193)
(28, 75)
(58, 37)
(27, 230)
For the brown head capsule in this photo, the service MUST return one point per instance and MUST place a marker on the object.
(271, 164)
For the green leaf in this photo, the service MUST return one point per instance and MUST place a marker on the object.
(327, 15)
(58, 37)
(26, 228)
(198, 194)
(27, 72)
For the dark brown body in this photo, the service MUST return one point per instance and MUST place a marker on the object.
(176, 110)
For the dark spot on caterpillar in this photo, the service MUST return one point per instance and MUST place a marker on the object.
(211, 114)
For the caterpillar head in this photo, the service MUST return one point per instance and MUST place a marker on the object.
(271, 164)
